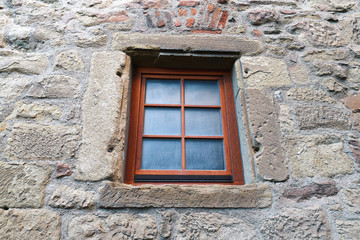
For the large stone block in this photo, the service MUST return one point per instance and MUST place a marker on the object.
(209, 196)
(36, 111)
(12, 88)
(69, 61)
(309, 94)
(68, 197)
(265, 72)
(119, 226)
(41, 142)
(23, 185)
(348, 229)
(104, 115)
(351, 198)
(295, 223)
(318, 155)
(310, 117)
(323, 55)
(333, 5)
(299, 74)
(29, 224)
(266, 134)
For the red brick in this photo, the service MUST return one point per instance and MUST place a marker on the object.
(355, 148)
(157, 13)
(118, 16)
(206, 31)
(63, 169)
(182, 12)
(211, 8)
(177, 23)
(223, 20)
(257, 33)
(189, 3)
(193, 11)
(215, 18)
(190, 22)
(160, 23)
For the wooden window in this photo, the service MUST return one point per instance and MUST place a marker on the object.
(183, 128)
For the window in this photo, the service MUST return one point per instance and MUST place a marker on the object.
(183, 128)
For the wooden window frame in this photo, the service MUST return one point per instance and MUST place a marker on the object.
(233, 173)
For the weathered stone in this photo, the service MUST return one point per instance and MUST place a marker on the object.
(309, 94)
(188, 43)
(237, 29)
(63, 169)
(311, 117)
(19, 37)
(333, 5)
(101, 154)
(318, 155)
(352, 102)
(266, 136)
(213, 226)
(354, 75)
(91, 18)
(12, 88)
(120, 225)
(333, 86)
(299, 74)
(97, 3)
(167, 221)
(55, 86)
(265, 72)
(67, 197)
(355, 122)
(295, 223)
(96, 41)
(31, 224)
(330, 69)
(354, 144)
(318, 190)
(39, 112)
(22, 185)
(323, 55)
(348, 229)
(41, 142)
(209, 196)
(31, 63)
(351, 198)
(286, 119)
(261, 16)
(69, 61)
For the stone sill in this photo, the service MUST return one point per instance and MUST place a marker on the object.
(181, 196)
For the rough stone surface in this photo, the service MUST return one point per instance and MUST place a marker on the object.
(41, 142)
(286, 119)
(333, 5)
(100, 153)
(258, 17)
(23, 185)
(318, 190)
(354, 75)
(354, 144)
(352, 102)
(96, 41)
(351, 198)
(295, 223)
(332, 85)
(324, 55)
(121, 225)
(213, 226)
(29, 224)
(68, 197)
(270, 157)
(348, 229)
(11, 61)
(308, 94)
(299, 74)
(310, 117)
(63, 169)
(327, 69)
(12, 88)
(69, 61)
(39, 112)
(209, 196)
(265, 72)
(318, 155)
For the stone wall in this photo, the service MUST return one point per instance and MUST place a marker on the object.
(64, 94)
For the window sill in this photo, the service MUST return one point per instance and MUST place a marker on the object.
(194, 196)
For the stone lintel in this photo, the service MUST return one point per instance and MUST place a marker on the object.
(196, 196)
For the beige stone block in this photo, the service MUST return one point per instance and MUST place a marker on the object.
(96, 41)
(333, 5)
(348, 229)
(299, 74)
(197, 196)
(23, 185)
(69, 61)
(308, 94)
(12, 88)
(351, 198)
(325, 55)
(38, 112)
(68, 197)
(29, 224)
(41, 142)
(286, 119)
(105, 116)
(265, 72)
(318, 155)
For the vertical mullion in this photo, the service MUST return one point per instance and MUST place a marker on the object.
(182, 124)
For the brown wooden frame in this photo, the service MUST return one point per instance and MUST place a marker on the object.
(230, 130)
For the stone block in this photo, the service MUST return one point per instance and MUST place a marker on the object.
(327, 69)
(299, 74)
(89, 17)
(261, 16)
(31, 63)
(354, 144)
(197, 196)
(23, 185)
(266, 135)
(68, 197)
(295, 223)
(348, 229)
(96, 41)
(69, 61)
(265, 72)
(352, 102)
(351, 199)
(12, 88)
(119, 225)
(354, 75)
(332, 85)
(63, 169)
(308, 94)
(41, 142)
(318, 155)
(310, 117)
(104, 117)
(325, 55)
(318, 190)
(333, 5)
(29, 224)
(286, 119)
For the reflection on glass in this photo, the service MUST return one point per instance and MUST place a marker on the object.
(162, 121)
(204, 154)
(202, 93)
(162, 91)
(203, 122)
(161, 154)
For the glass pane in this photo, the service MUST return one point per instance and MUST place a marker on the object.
(204, 154)
(162, 121)
(161, 154)
(202, 93)
(162, 91)
(203, 122)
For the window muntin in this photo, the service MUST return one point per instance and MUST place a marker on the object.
(182, 131)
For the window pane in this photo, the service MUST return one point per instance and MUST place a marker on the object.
(162, 121)
(202, 93)
(162, 91)
(203, 122)
(161, 154)
(204, 154)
